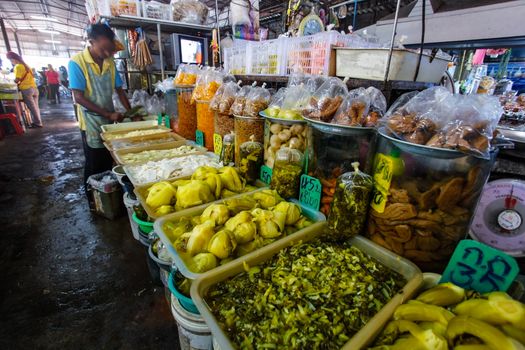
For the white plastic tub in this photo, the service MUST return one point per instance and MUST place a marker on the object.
(371, 64)
(129, 203)
(194, 334)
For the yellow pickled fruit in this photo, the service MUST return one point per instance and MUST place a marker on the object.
(222, 244)
(200, 237)
(514, 332)
(417, 311)
(164, 210)
(444, 294)
(426, 338)
(160, 194)
(490, 335)
(497, 312)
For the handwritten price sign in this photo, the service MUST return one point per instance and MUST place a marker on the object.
(199, 138)
(310, 192)
(217, 144)
(479, 267)
(266, 174)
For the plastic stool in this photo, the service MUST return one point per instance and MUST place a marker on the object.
(14, 122)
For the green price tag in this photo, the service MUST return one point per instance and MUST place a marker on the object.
(199, 138)
(266, 174)
(217, 144)
(478, 267)
(310, 192)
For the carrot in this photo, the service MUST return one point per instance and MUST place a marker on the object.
(327, 199)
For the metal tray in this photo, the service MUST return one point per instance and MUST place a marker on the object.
(146, 124)
(170, 137)
(137, 183)
(163, 146)
(104, 135)
(314, 215)
(337, 129)
(282, 121)
(364, 336)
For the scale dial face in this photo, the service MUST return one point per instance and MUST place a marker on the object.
(499, 218)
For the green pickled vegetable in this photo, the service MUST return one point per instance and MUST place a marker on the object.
(286, 179)
(350, 205)
(310, 296)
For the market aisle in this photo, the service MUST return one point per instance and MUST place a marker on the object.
(69, 279)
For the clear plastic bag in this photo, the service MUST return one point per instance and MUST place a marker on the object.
(186, 75)
(414, 117)
(237, 107)
(139, 98)
(154, 105)
(470, 122)
(117, 104)
(224, 98)
(207, 85)
(276, 102)
(349, 208)
(189, 11)
(436, 118)
(256, 101)
(326, 100)
(315, 82)
(354, 109)
(296, 99)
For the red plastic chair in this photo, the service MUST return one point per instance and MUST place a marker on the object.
(14, 122)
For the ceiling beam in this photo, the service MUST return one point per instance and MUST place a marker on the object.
(50, 6)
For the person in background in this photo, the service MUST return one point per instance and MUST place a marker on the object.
(62, 72)
(93, 78)
(26, 84)
(53, 84)
(40, 78)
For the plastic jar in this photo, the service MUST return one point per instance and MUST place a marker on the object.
(280, 134)
(205, 122)
(251, 158)
(228, 149)
(245, 128)
(187, 124)
(424, 199)
(332, 150)
(171, 107)
(287, 171)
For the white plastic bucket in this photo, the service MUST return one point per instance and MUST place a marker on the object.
(216, 345)
(119, 172)
(129, 203)
(193, 331)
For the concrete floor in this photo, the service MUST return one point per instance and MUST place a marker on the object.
(70, 279)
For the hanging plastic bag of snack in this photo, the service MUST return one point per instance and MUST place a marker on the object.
(326, 100)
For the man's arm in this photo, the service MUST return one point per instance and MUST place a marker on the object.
(79, 98)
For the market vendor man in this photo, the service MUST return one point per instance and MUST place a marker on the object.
(93, 78)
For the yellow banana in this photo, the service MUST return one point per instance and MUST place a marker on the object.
(444, 294)
(436, 327)
(490, 335)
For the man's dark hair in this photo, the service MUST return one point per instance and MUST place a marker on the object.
(95, 31)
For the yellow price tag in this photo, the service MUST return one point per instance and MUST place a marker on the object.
(383, 171)
(379, 199)
(217, 144)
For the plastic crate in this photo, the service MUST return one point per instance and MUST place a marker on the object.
(156, 10)
(311, 54)
(237, 57)
(268, 57)
(119, 7)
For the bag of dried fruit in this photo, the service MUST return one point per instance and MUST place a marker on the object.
(237, 107)
(326, 100)
(257, 100)
(354, 109)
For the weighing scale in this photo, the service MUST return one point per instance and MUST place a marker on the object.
(499, 220)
